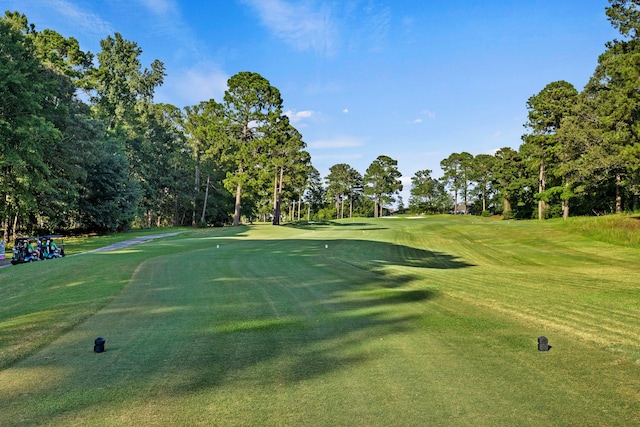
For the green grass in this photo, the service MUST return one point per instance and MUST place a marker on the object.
(359, 322)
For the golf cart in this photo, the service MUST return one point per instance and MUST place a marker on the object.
(25, 250)
(33, 248)
(52, 248)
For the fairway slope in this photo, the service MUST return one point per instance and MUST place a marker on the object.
(373, 322)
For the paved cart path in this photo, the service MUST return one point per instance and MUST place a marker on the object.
(127, 243)
(113, 247)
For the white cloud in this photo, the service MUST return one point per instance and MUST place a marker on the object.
(425, 114)
(428, 114)
(298, 116)
(339, 142)
(337, 157)
(376, 25)
(190, 86)
(160, 7)
(298, 24)
(86, 21)
(346, 111)
(406, 181)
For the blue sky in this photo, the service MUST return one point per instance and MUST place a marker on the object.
(412, 79)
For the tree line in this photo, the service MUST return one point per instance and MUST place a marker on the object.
(84, 146)
(580, 154)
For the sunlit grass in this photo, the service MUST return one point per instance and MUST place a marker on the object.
(623, 229)
(361, 322)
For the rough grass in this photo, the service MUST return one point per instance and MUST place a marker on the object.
(367, 322)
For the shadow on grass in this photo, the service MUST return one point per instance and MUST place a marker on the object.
(315, 225)
(266, 312)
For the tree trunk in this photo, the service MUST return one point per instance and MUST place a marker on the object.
(196, 190)
(618, 194)
(276, 212)
(276, 202)
(465, 201)
(351, 205)
(484, 200)
(375, 206)
(5, 230)
(565, 204)
(237, 209)
(14, 229)
(455, 202)
(541, 187)
(206, 196)
(275, 189)
(565, 209)
(506, 207)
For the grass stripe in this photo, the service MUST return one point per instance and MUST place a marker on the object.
(376, 322)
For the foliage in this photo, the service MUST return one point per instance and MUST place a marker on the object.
(122, 159)
(241, 158)
(382, 182)
(428, 195)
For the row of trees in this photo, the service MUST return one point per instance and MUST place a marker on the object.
(84, 146)
(363, 194)
(581, 151)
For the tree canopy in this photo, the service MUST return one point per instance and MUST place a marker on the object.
(84, 146)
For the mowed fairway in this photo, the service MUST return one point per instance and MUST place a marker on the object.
(387, 322)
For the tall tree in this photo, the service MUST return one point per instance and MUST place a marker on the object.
(615, 90)
(482, 175)
(466, 177)
(624, 15)
(453, 175)
(314, 193)
(382, 181)
(286, 159)
(509, 177)
(119, 83)
(204, 127)
(343, 182)
(546, 111)
(109, 196)
(252, 107)
(27, 91)
(422, 191)
(165, 163)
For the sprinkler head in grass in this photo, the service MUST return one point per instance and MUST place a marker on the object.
(543, 344)
(98, 345)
